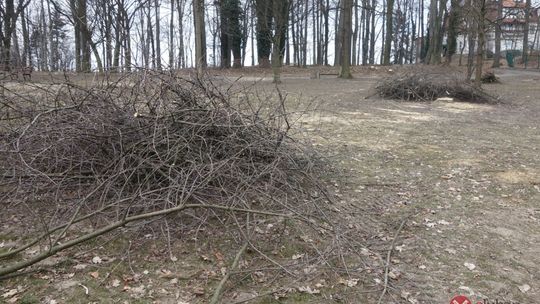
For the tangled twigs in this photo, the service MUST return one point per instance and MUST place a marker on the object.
(146, 145)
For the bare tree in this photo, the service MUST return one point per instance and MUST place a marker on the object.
(200, 35)
(264, 10)
(158, 35)
(231, 16)
(280, 10)
(389, 31)
(436, 13)
(481, 16)
(345, 70)
(498, 24)
(9, 12)
(453, 26)
(526, 32)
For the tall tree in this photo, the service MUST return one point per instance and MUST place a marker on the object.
(27, 54)
(481, 9)
(345, 70)
(231, 32)
(434, 49)
(453, 26)
(264, 10)
(9, 12)
(526, 32)
(498, 30)
(171, 36)
(280, 10)
(389, 31)
(200, 35)
(181, 52)
(372, 34)
(158, 35)
(366, 15)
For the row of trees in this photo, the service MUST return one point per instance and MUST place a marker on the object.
(119, 34)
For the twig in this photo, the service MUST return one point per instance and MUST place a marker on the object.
(217, 292)
(387, 266)
(86, 291)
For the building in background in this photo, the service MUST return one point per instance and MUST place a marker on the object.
(512, 28)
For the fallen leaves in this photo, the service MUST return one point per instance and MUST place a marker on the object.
(115, 283)
(308, 290)
(298, 256)
(394, 274)
(406, 295)
(94, 274)
(198, 291)
(349, 282)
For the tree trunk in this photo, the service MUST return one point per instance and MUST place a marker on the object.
(471, 45)
(355, 33)
(389, 31)
(366, 13)
(280, 12)
(326, 30)
(231, 33)
(200, 36)
(171, 37)
(108, 37)
(436, 12)
(305, 35)
(6, 35)
(225, 60)
(453, 24)
(263, 10)
(498, 23)
(27, 53)
(526, 33)
(151, 48)
(345, 70)
(85, 37)
(314, 32)
(127, 44)
(158, 35)
(294, 40)
(481, 43)
(372, 33)
(181, 52)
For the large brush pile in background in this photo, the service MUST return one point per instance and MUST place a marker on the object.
(428, 84)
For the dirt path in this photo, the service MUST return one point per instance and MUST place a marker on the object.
(469, 175)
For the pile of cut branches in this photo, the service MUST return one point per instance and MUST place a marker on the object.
(144, 147)
(424, 84)
(489, 77)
